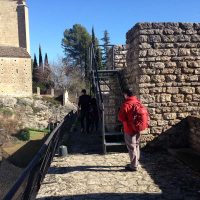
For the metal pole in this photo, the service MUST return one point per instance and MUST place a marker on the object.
(103, 130)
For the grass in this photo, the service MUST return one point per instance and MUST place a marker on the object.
(51, 100)
(39, 130)
(6, 112)
(20, 153)
(34, 135)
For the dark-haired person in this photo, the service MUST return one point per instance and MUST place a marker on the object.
(94, 115)
(131, 134)
(84, 106)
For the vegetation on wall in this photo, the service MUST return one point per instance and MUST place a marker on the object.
(42, 73)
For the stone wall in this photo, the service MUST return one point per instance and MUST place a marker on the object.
(14, 26)
(15, 77)
(163, 68)
(23, 26)
(8, 23)
(15, 61)
(119, 53)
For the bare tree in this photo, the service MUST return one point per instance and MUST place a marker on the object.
(68, 76)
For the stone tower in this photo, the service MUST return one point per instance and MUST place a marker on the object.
(15, 60)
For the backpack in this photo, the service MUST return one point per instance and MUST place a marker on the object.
(140, 116)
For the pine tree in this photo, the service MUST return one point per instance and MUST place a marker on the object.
(106, 42)
(76, 42)
(97, 50)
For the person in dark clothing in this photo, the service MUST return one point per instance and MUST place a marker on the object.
(84, 106)
(94, 115)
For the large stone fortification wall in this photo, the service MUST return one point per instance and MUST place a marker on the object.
(117, 57)
(15, 61)
(14, 24)
(15, 77)
(8, 23)
(163, 68)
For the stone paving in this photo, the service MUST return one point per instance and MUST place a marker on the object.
(82, 176)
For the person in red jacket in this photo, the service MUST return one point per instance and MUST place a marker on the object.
(131, 135)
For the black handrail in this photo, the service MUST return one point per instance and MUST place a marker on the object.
(94, 71)
(29, 182)
(97, 88)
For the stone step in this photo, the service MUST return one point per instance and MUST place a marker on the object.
(114, 143)
(113, 133)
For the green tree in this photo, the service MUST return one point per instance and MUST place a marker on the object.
(40, 57)
(94, 41)
(75, 43)
(97, 50)
(106, 42)
(35, 69)
(35, 63)
(46, 60)
(42, 75)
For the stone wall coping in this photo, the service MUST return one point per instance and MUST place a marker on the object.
(13, 52)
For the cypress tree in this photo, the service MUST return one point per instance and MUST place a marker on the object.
(46, 61)
(35, 64)
(97, 50)
(35, 70)
(40, 57)
(93, 37)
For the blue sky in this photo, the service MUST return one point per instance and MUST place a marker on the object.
(49, 18)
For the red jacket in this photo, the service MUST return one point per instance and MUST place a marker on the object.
(126, 115)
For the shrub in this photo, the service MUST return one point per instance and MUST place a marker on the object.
(6, 112)
(51, 100)
(24, 135)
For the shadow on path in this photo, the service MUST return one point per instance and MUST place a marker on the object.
(176, 180)
(169, 179)
(64, 170)
(108, 196)
(82, 143)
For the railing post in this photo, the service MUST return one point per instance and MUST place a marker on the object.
(34, 173)
(103, 130)
(113, 57)
(30, 187)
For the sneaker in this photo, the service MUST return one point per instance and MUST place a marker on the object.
(129, 168)
(138, 167)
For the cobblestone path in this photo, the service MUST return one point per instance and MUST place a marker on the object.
(82, 176)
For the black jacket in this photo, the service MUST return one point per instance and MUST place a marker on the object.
(84, 101)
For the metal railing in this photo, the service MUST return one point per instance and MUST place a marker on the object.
(29, 182)
(94, 72)
(97, 89)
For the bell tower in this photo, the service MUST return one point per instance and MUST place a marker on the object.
(15, 60)
(23, 25)
(14, 24)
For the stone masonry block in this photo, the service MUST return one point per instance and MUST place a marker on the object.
(154, 38)
(172, 90)
(170, 78)
(178, 98)
(144, 79)
(168, 116)
(194, 64)
(187, 90)
(158, 78)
